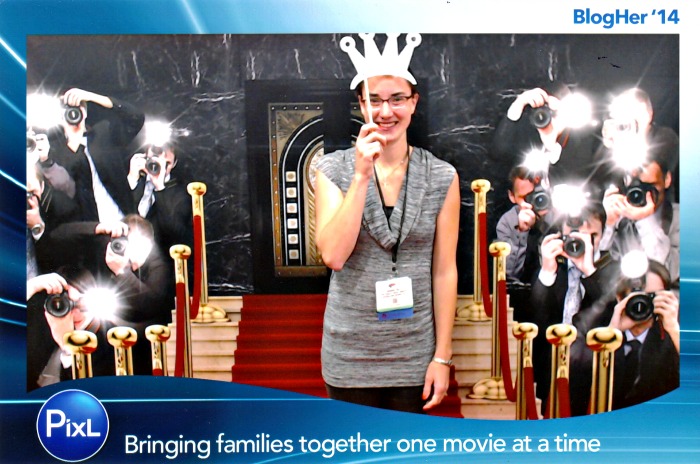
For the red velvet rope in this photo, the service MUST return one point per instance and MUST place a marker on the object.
(503, 340)
(564, 402)
(179, 329)
(484, 267)
(530, 401)
(197, 257)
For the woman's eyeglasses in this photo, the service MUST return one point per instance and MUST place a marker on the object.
(395, 101)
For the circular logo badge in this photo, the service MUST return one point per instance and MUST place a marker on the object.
(72, 425)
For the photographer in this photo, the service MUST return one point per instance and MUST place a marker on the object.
(46, 208)
(539, 120)
(644, 218)
(647, 364)
(655, 370)
(522, 221)
(96, 156)
(64, 294)
(573, 276)
(631, 134)
(122, 254)
(161, 197)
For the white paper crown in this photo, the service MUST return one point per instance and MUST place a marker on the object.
(389, 63)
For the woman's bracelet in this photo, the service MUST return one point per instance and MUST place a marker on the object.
(444, 362)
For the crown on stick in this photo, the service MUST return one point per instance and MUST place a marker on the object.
(388, 63)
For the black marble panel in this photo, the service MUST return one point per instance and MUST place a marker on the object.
(467, 82)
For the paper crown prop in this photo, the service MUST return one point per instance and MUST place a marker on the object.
(388, 63)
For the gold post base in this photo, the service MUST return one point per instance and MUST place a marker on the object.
(473, 312)
(209, 313)
(492, 388)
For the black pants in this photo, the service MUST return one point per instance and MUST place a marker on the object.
(406, 399)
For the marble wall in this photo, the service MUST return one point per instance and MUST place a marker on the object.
(466, 83)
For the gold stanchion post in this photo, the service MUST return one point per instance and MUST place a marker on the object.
(207, 311)
(492, 388)
(524, 333)
(180, 254)
(81, 344)
(474, 311)
(122, 339)
(158, 334)
(560, 336)
(604, 341)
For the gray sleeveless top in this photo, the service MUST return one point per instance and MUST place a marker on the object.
(359, 350)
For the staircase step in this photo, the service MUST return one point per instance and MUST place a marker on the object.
(276, 372)
(488, 409)
(273, 356)
(263, 327)
(226, 347)
(313, 387)
(213, 331)
(285, 301)
(283, 341)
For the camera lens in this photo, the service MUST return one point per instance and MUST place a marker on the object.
(539, 199)
(118, 245)
(73, 115)
(541, 117)
(31, 144)
(152, 166)
(574, 246)
(58, 305)
(637, 196)
(640, 307)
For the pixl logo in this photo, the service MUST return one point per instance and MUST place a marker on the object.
(72, 425)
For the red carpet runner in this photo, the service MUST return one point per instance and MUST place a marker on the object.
(279, 346)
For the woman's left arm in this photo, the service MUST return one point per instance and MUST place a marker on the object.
(437, 376)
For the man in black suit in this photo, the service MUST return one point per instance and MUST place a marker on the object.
(537, 122)
(573, 276)
(647, 365)
(123, 257)
(96, 156)
(161, 197)
(47, 360)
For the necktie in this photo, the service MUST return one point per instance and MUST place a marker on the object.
(572, 301)
(147, 199)
(631, 365)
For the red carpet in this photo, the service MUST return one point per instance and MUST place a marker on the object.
(279, 346)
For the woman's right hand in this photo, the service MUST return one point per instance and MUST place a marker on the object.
(369, 146)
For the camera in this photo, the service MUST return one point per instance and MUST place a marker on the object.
(152, 165)
(58, 305)
(613, 127)
(640, 306)
(73, 115)
(541, 117)
(539, 199)
(573, 246)
(31, 144)
(636, 192)
(118, 245)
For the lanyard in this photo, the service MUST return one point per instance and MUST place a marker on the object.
(395, 248)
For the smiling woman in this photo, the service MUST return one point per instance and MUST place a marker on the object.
(387, 219)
